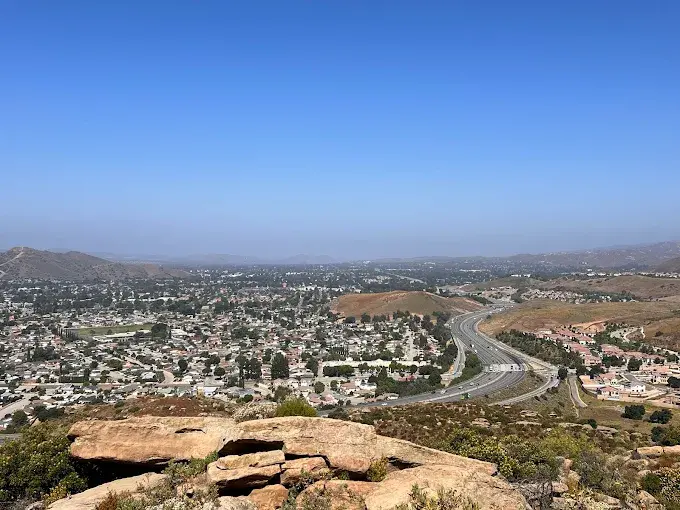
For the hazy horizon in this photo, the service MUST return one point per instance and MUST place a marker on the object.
(353, 130)
(195, 256)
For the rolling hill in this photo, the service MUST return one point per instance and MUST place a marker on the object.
(419, 303)
(27, 263)
(642, 287)
(660, 319)
(670, 266)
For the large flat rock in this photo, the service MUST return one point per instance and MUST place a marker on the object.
(89, 499)
(275, 451)
(150, 439)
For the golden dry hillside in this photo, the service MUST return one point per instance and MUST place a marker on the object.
(418, 302)
(643, 287)
(661, 319)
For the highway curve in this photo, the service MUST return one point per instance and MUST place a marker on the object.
(490, 352)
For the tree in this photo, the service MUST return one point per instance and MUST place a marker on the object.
(219, 371)
(334, 385)
(183, 365)
(365, 318)
(281, 393)
(634, 412)
(661, 416)
(435, 378)
(159, 330)
(634, 364)
(319, 387)
(280, 368)
(313, 366)
(38, 462)
(674, 382)
(19, 419)
(562, 373)
(254, 369)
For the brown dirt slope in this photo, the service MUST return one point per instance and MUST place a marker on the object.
(643, 287)
(419, 303)
(661, 319)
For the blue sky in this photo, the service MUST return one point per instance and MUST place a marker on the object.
(348, 128)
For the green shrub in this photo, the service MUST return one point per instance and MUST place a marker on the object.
(669, 482)
(39, 463)
(444, 500)
(634, 412)
(651, 483)
(295, 407)
(661, 416)
(378, 470)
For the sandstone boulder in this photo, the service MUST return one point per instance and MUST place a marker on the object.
(488, 492)
(259, 459)
(336, 495)
(271, 452)
(672, 450)
(646, 501)
(149, 440)
(89, 499)
(234, 503)
(347, 446)
(242, 478)
(649, 452)
(293, 470)
(270, 497)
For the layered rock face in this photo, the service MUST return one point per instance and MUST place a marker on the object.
(263, 459)
(149, 440)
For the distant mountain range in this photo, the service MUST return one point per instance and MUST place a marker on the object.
(25, 263)
(640, 256)
(219, 259)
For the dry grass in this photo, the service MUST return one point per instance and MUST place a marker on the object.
(156, 406)
(643, 287)
(545, 314)
(417, 302)
(531, 381)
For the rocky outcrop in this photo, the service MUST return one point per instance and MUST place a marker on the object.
(488, 492)
(246, 471)
(90, 498)
(271, 497)
(294, 470)
(149, 440)
(652, 452)
(260, 459)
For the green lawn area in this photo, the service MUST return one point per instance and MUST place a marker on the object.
(106, 330)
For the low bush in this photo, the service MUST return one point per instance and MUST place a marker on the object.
(295, 407)
(377, 471)
(443, 500)
(38, 464)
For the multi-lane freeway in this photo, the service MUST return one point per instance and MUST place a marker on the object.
(503, 366)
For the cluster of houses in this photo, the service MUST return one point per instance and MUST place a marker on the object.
(648, 382)
(100, 355)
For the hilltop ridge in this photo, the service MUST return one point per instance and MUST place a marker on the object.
(22, 262)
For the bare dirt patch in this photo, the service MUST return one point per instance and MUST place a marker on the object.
(418, 302)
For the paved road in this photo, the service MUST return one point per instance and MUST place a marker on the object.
(14, 406)
(575, 395)
(490, 352)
